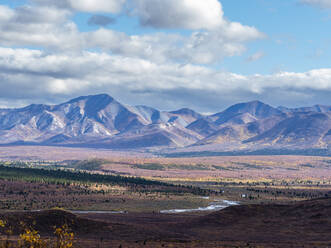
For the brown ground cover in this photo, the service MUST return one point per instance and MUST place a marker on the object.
(258, 178)
(303, 224)
(21, 195)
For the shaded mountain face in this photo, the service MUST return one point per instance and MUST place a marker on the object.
(237, 123)
(101, 121)
(255, 109)
(305, 129)
(188, 115)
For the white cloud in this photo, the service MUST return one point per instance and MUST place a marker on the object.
(198, 14)
(200, 47)
(35, 15)
(319, 3)
(139, 81)
(51, 28)
(112, 6)
(92, 6)
(39, 26)
(194, 15)
(213, 36)
(5, 13)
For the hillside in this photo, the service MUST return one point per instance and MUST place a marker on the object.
(301, 224)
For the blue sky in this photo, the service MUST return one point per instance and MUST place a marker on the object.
(203, 54)
(297, 38)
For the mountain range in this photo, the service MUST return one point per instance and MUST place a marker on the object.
(101, 121)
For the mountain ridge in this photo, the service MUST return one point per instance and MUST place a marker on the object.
(102, 121)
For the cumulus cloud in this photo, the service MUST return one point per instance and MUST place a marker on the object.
(92, 6)
(189, 14)
(100, 20)
(138, 81)
(199, 48)
(36, 15)
(157, 68)
(39, 26)
(51, 28)
(213, 36)
(319, 3)
(194, 15)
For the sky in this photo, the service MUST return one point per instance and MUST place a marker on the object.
(167, 54)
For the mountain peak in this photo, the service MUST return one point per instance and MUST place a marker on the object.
(255, 102)
(256, 108)
(35, 108)
(183, 111)
(251, 103)
(98, 97)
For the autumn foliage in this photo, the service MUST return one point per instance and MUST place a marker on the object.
(31, 238)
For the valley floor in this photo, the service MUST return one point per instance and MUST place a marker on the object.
(284, 200)
(303, 224)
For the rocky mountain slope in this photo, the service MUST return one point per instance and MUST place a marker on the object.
(101, 121)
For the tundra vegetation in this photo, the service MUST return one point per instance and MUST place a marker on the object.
(137, 188)
(26, 188)
(154, 184)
